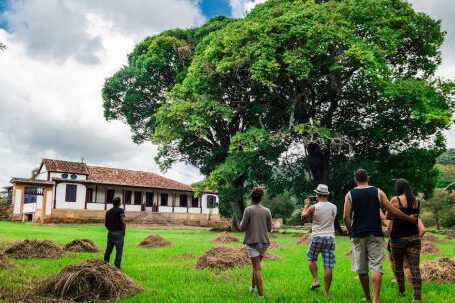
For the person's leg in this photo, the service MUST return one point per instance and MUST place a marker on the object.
(328, 255)
(119, 252)
(256, 261)
(413, 257)
(407, 271)
(312, 257)
(375, 254)
(376, 280)
(108, 251)
(360, 265)
(365, 282)
(398, 252)
(314, 272)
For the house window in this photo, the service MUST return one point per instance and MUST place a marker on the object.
(71, 191)
(73, 176)
(137, 197)
(149, 199)
(89, 195)
(183, 200)
(164, 199)
(64, 176)
(30, 195)
(211, 200)
(9, 198)
(195, 202)
(128, 195)
(110, 193)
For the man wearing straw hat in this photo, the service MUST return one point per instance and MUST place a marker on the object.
(322, 235)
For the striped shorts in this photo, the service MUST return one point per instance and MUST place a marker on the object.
(324, 245)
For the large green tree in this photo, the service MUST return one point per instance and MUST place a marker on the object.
(314, 87)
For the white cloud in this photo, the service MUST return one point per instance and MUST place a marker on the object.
(50, 101)
(240, 7)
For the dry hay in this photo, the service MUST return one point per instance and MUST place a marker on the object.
(274, 245)
(81, 245)
(348, 253)
(34, 249)
(430, 237)
(92, 280)
(429, 248)
(450, 235)
(223, 257)
(4, 263)
(304, 239)
(154, 241)
(225, 237)
(440, 270)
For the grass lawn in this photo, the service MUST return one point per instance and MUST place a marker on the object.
(168, 276)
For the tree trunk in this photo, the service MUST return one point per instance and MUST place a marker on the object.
(237, 202)
(437, 223)
(319, 166)
(319, 163)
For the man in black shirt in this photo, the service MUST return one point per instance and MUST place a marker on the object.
(115, 223)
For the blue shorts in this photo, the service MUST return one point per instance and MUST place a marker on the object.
(324, 245)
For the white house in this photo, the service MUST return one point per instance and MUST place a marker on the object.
(67, 191)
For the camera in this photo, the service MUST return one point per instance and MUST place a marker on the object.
(313, 199)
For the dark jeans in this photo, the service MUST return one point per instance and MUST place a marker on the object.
(115, 238)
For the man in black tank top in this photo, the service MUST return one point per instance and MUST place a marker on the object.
(363, 206)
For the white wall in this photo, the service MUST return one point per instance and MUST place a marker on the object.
(180, 209)
(204, 199)
(95, 206)
(29, 208)
(61, 195)
(165, 209)
(129, 207)
(49, 201)
(39, 202)
(59, 176)
(194, 210)
(17, 201)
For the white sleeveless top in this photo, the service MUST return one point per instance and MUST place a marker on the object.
(323, 219)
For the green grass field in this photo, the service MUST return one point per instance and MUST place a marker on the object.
(168, 276)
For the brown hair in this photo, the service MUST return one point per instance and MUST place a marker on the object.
(361, 175)
(256, 195)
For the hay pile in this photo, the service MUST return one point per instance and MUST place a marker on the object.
(4, 263)
(34, 249)
(274, 245)
(225, 237)
(451, 235)
(92, 280)
(429, 248)
(430, 237)
(154, 241)
(222, 257)
(440, 270)
(304, 239)
(81, 245)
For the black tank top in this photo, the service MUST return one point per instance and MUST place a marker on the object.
(365, 206)
(402, 228)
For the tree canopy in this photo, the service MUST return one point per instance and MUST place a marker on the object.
(296, 93)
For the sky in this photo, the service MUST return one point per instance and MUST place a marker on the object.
(59, 52)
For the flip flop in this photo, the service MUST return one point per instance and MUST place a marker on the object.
(315, 286)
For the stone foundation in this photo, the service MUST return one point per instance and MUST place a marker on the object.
(97, 216)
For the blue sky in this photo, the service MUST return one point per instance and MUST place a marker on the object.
(211, 8)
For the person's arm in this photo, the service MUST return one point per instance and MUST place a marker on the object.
(245, 220)
(394, 202)
(384, 221)
(421, 228)
(105, 220)
(123, 221)
(308, 210)
(395, 211)
(347, 212)
(269, 222)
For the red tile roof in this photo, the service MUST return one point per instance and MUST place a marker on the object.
(116, 176)
(30, 181)
(65, 166)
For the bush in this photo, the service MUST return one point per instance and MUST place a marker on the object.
(428, 219)
(294, 219)
(281, 206)
(448, 218)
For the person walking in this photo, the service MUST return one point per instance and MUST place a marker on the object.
(362, 204)
(257, 223)
(322, 239)
(405, 240)
(116, 226)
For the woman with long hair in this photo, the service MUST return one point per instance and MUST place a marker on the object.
(257, 223)
(405, 240)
